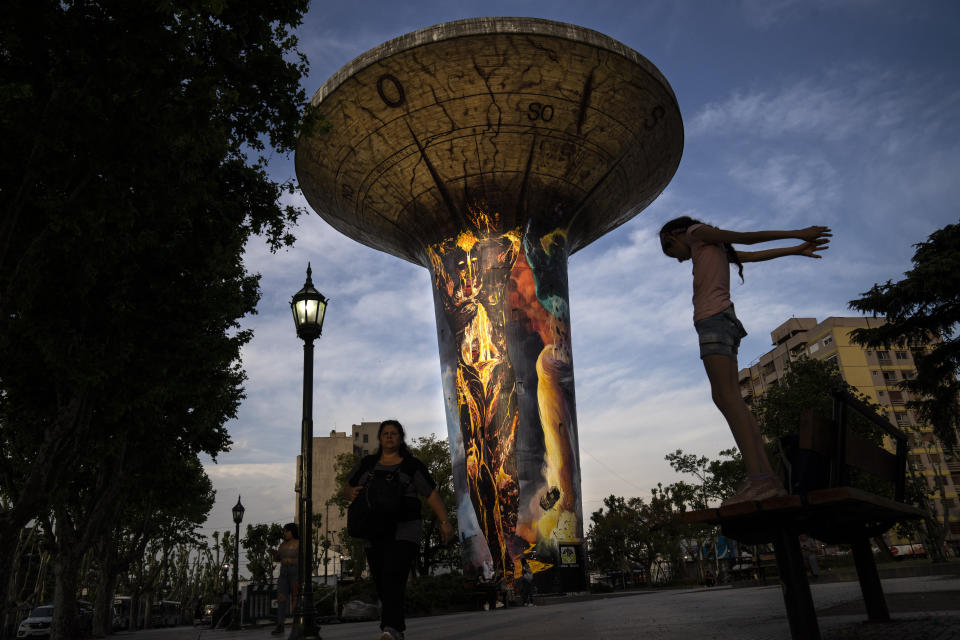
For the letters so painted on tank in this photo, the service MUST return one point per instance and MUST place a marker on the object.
(503, 327)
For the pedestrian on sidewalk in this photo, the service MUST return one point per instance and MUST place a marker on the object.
(526, 583)
(392, 551)
(287, 554)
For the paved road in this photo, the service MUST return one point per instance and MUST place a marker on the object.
(923, 608)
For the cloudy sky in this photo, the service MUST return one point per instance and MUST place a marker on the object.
(837, 112)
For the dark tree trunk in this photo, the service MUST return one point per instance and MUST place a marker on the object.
(103, 605)
(8, 547)
(65, 592)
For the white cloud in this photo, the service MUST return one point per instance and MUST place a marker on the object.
(848, 101)
(795, 184)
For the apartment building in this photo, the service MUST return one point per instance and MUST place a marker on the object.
(875, 373)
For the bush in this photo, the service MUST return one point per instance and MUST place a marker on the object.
(428, 594)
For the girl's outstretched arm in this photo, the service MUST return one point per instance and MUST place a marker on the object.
(807, 249)
(714, 235)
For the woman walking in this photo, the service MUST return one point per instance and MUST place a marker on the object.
(719, 330)
(391, 554)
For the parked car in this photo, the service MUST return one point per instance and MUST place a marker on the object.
(37, 624)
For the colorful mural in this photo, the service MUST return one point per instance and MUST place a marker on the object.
(503, 327)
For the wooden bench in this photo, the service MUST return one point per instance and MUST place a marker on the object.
(836, 513)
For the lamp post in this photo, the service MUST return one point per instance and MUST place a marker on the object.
(237, 519)
(309, 307)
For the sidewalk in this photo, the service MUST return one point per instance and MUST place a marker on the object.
(922, 608)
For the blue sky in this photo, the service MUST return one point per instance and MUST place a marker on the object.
(842, 112)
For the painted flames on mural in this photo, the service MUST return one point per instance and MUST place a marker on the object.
(504, 333)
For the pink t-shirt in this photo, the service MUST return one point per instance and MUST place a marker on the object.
(711, 276)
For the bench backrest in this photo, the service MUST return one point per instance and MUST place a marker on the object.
(844, 448)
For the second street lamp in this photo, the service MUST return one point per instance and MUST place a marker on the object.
(309, 307)
(237, 519)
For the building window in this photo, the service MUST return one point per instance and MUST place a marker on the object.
(875, 372)
(366, 438)
(889, 376)
(896, 397)
(834, 360)
(909, 374)
(881, 393)
(828, 341)
(356, 436)
(902, 418)
(900, 355)
(883, 355)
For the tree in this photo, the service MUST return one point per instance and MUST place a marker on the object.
(807, 387)
(133, 175)
(924, 309)
(718, 478)
(352, 547)
(259, 543)
(160, 511)
(613, 536)
(435, 454)
(633, 533)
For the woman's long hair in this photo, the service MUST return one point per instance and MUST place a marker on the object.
(685, 222)
(404, 450)
(293, 529)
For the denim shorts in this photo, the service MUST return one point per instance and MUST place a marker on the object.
(720, 333)
(289, 574)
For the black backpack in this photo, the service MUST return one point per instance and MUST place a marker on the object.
(382, 502)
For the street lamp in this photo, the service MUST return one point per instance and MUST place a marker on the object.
(237, 519)
(308, 306)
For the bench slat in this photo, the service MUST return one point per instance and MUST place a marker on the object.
(836, 495)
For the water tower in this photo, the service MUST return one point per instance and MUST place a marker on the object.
(488, 150)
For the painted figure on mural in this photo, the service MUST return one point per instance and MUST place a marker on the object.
(470, 277)
(551, 509)
(503, 319)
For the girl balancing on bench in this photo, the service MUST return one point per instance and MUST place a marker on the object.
(719, 330)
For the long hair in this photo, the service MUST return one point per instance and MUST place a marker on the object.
(293, 529)
(685, 222)
(404, 450)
